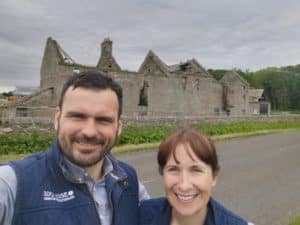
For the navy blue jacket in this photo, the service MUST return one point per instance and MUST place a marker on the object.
(45, 196)
(158, 212)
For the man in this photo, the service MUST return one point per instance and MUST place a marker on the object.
(77, 181)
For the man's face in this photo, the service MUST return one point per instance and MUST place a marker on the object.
(87, 125)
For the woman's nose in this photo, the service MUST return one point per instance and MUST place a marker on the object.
(185, 181)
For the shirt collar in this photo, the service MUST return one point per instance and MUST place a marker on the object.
(80, 175)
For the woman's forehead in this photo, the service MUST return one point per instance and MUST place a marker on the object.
(183, 151)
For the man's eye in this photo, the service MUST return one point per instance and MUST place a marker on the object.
(77, 116)
(104, 120)
(172, 169)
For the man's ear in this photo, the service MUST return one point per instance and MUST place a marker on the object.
(120, 125)
(56, 118)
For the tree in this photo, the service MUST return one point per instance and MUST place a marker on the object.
(7, 94)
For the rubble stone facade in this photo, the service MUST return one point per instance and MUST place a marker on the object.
(155, 90)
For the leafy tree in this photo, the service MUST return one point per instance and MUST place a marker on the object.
(218, 73)
(281, 84)
(7, 94)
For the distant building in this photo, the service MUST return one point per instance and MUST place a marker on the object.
(22, 91)
(3, 102)
(156, 89)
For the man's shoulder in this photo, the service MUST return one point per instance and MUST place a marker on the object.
(32, 164)
(119, 164)
(8, 186)
(125, 165)
(11, 171)
(29, 160)
(7, 173)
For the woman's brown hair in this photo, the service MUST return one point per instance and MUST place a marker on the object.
(200, 144)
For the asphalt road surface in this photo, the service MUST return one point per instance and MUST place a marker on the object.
(259, 180)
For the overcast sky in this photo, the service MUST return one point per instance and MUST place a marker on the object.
(246, 34)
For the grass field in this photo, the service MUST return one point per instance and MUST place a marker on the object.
(120, 149)
(296, 221)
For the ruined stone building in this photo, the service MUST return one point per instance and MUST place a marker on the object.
(156, 89)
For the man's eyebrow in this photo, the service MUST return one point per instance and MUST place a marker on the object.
(105, 118)
(74, 113)
(97, 118)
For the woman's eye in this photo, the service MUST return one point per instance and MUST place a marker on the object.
(197, 170)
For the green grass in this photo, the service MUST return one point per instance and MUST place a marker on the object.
(139, 135)
(142, 137)
(296, 221)
(246, 127)
(27, 142)
(11, 157)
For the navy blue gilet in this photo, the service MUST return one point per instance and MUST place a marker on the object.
(158, 212)
(46, 197)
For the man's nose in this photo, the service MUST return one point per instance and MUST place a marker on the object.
(90, 128)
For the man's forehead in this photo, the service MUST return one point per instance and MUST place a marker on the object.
(84, 90)
(83, 97)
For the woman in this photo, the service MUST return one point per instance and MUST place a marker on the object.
(189, 166)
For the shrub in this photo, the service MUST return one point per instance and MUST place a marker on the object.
(25, 143)
(21, 143)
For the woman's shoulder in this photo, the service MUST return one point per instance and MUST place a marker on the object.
(223, 214)
(154, 202)
(156, 209)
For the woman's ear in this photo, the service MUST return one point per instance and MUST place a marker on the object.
(215, 177)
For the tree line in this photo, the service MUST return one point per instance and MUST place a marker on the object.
(281, 84)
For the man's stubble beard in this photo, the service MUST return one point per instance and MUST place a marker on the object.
(66, 145)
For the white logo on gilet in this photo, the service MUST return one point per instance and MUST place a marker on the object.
(59, 197)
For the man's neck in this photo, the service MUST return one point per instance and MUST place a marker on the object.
(96, 171)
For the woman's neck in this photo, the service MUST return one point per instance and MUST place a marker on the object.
(196, 219)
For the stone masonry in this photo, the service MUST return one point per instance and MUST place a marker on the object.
(155, 90)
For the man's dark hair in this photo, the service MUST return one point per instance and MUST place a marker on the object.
(92, 80)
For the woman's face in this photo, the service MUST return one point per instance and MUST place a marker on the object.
(188, 182)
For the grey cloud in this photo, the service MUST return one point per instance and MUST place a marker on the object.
(219, 34)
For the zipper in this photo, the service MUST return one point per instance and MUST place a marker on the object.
(81, 182)
(95, 203)
(111, 204)
(91, 196)
(89, 193)
(110, 195)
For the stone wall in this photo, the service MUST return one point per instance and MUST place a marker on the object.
(184, 89)
(190, 120)
(54, 72)
(131, 84)
(177, 96)
(47, 122)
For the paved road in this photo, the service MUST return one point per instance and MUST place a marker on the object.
(260, 176)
